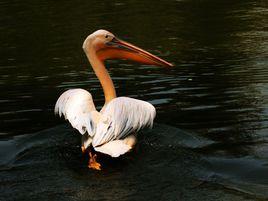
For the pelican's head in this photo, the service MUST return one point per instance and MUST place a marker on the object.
(107, 46)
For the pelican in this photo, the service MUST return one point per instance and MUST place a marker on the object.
(112, 130)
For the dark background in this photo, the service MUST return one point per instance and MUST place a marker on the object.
(217, 90)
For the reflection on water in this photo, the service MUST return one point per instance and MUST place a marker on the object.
(218, 89)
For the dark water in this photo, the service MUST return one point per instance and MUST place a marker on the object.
(210, 140)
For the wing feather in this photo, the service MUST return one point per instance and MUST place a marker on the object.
(77, 106)
(122, 116)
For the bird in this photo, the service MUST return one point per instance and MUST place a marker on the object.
(113, 129)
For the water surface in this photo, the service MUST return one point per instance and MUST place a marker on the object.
(214, 100)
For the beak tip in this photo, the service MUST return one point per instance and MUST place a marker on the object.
(169, 64)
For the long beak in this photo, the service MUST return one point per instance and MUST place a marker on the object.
(118, 49)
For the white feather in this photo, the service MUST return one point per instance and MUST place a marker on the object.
(122, 117)
(77, 106)
(117, 120)
(114, 148)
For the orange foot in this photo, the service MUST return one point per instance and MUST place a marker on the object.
(83, 149)
(93, 163)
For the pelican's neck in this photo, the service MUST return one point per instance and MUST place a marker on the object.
(102, 74)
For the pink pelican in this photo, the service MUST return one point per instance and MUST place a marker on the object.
(112, 130)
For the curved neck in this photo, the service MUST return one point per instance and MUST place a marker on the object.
(102, 74)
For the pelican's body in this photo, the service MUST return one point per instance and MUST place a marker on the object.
(112, 130)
